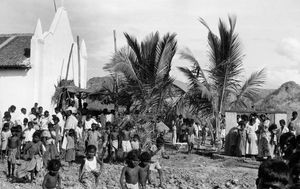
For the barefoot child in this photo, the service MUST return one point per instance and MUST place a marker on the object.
(90, 169)
(52, 179)
(130, 173)
(114, 142)
(158, 152)
(144, 169)
(13, 145)
(5, 134)
(70, 154)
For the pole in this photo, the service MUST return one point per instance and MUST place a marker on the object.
(116, 76)
(79, 78)
(68, 66)
(54, 5)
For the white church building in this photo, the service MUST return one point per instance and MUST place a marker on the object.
(32, 64)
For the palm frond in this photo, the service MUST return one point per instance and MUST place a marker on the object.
(250, 89)
(195, 84)
(188, 55)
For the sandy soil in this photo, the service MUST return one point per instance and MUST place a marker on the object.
(180, 171)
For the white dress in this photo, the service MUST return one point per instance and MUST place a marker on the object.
(251, 145)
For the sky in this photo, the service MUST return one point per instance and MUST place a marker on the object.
(269, 30)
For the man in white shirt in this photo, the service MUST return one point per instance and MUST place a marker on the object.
(71, 122)
(22, 116)
(44, 121)
(32, 115)
(28, 133)
(88, 122)
(12, 111)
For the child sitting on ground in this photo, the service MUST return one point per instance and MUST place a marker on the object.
(130, 173)
(144, 169)
(272, 174)
(158, 152)
(52, 179)
(13, 145)
(90, 170)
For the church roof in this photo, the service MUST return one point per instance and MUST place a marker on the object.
(15, 51)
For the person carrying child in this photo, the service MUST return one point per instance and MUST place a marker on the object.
(272, 174)
(52, 179)
(33, 157)
(90, 169)
(130, 174)
(144, 170)
(14, 144)
(157, 152)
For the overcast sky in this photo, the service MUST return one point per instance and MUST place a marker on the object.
(269, 30)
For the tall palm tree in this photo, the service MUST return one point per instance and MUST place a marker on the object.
(210, 90)
(145, 67)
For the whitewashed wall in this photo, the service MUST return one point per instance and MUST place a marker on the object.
(16, 89)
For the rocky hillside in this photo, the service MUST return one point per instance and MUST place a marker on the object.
(285, 98)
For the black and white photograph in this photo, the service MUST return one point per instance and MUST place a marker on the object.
(149, 94)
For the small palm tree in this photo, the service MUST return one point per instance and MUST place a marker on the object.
(211, 90)
(145, 67)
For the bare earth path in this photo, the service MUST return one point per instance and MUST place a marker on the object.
(181, 171)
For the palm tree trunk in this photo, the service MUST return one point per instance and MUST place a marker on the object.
(221, 102)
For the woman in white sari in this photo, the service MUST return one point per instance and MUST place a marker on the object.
(251, 145)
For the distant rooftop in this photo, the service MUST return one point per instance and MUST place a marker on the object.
(15, 51)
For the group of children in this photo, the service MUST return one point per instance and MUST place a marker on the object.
(42, 141)
(138, 170)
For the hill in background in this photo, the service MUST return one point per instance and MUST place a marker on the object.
(285, 98)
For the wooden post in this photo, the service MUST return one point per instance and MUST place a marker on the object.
(54, 5)
(79, 73)
(68, 66)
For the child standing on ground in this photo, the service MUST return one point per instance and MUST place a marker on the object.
(130, 173)
(144, 171)
(13, 145)
(158, 152)
(5, 134)
(52, 179)
(90, 169)
(135, 143)
(242, 139)
(114, 143)
(70, 153)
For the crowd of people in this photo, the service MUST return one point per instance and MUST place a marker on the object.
(256, 137)
(42, 141)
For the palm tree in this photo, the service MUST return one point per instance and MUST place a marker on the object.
(145, 68)
(211, 90)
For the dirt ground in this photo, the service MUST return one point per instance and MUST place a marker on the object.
(181, 171)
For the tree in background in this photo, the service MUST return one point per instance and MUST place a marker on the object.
(220, 85)
(144, 68)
